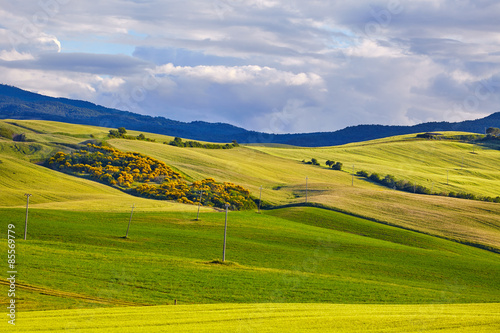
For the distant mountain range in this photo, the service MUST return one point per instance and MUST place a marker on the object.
(16, 103)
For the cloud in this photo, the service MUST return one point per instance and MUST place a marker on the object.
(240, 75)
(262, 64)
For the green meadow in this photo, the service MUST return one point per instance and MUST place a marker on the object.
(365, 259)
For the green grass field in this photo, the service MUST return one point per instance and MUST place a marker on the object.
(375, 260)
(289, 255)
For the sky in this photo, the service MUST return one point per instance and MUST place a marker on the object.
(267, 65)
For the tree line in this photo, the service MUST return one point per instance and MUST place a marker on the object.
(177, 142)
(121, 133)
(402, 185)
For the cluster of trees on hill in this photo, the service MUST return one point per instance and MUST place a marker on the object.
(403, 185)
(121, 133)
(493, 132)
(145, 176)
(430, 135)
(177, 142)
(332, 164)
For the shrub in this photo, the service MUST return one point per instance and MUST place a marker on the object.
(375, 177)
(337, 166)
(362, 173)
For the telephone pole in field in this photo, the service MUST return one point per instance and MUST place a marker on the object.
(225, 232)
(26, 220)
(130, 220)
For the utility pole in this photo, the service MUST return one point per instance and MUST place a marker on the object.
(260, 198)
(199, 204)
(130, 220)
(26, 221)
(352, 184)
(306, 189)
(225, 232)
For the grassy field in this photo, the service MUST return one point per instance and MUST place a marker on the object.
(77, 259)
(270, 318)
(440, 165)
(373, 248)
(283, 179)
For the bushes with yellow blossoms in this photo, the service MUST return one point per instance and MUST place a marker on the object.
(147, 177)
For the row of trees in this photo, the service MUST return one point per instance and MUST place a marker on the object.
(121, 133)
(177, 142)
(145, 176)
(403, 185)
(332, 164)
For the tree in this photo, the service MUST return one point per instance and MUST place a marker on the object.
(141, 137)
(177, 142)
(122, 131)
(114, 133)
(329, 163)
(493, 131)
(314, 161)
(337, 166)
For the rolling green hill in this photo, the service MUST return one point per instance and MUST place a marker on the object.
(366, 244)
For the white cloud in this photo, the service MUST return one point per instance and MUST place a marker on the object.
(262, 64)
(13, 55)
(243, 74)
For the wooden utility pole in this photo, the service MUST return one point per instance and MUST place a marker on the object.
(260, 198)
(352, 184)
(306, 189)
(225, 232)
(199, 204)
(26, 220)
(130, 220)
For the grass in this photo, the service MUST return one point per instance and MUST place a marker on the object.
(283, 178)
(270, 318)
(315, 260)
(471, 167)
(75, 260)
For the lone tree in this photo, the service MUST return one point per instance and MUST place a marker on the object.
(493, 131)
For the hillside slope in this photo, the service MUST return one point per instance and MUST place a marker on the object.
(283, 178)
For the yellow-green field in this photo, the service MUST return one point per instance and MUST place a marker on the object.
(75, 246)
(269, 318)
